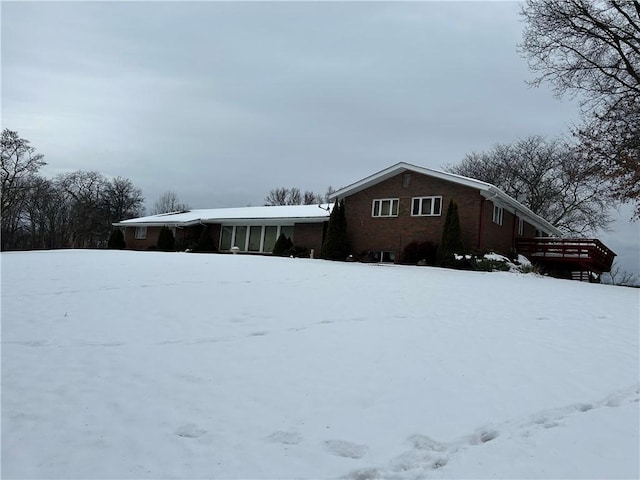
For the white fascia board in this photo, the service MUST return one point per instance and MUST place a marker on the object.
(265, 221)
(156, 224)
(226, 221)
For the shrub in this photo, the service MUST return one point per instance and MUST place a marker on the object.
(205, 242)
(166, 242)
(424, 253)
(336, 242)
(116, 240)
(490, 265)
(283, 246)
(451, 237)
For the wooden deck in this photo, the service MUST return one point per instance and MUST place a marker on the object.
(567, 254)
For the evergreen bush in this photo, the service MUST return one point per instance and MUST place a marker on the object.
(336, 243)
(116, 240)
(205, 242)
(283, 246)
(166, 242)
(451, 237)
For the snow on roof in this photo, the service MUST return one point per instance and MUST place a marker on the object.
(299, 213)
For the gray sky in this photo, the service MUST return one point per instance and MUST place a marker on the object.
(222, 102)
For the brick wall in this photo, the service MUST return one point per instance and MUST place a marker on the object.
(309, 235)
(150, 241)
(367, 233)
(499, 238)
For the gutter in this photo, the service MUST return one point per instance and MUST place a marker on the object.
(516, 207)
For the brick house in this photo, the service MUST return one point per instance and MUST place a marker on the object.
(405, 203)
(251, 229)
(385, 212)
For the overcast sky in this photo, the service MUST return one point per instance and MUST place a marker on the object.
(221, 102)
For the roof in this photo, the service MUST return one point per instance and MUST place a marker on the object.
(246, 215)
(487, 190)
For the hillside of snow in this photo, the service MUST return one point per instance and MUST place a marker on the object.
(119, 364)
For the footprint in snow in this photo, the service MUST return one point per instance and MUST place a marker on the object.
(365, 474)
(342, 448)
(483, 436)
(286, 438)
(190, 430)
(423, 442)
(585, 407)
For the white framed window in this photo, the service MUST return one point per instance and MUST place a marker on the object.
(426, 206)
(498, 214)
(520, 226)
(385, 207)
(253, 238)
(141, 233)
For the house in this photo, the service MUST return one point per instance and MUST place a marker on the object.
(251, 229)
(386, 212)
(405, 203)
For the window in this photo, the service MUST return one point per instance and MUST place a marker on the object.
(498, 213)
(383, 257)
(287, 231)
(255, 238)
(141, 233)
(520, 226)
(269, 238)
(426, 206)
(386, 207)
(240, 240)
(225, 238)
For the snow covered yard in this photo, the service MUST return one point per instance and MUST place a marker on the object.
(121, 364)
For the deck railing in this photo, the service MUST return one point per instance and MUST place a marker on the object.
(583, 253)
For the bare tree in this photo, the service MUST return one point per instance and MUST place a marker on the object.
(328, 193)
(122, 199)
(19, 162)
(168, 202)
(88, 226)
(591, 48)
(549, 177)
(618, 276)
(277, 196)
(311, 198)
(291, 196)
(294, 197)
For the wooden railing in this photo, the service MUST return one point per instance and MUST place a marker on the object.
(583, 253)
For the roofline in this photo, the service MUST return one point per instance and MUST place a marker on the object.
(227, 221)
(487, 190)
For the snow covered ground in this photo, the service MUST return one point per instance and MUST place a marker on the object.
(162, 365)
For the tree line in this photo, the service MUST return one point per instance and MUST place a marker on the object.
(294, 196)
(71, 210)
